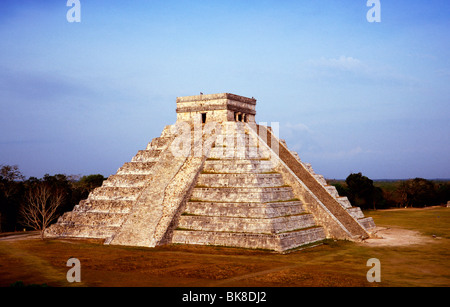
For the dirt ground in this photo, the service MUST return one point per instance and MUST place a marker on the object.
(395, 236)
(409, 257)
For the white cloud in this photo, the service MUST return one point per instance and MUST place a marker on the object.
(346, 65)
(300, 137)
(342, 63)
(297, 127)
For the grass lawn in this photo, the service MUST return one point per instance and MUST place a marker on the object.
(334, 263)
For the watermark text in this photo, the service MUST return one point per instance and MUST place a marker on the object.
(374, 14)
(74, 13)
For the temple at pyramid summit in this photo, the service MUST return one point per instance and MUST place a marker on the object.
(215, 177)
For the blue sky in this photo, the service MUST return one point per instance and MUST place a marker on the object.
(349, 95)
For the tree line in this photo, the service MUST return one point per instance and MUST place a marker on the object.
(34, 203)
(367, 194)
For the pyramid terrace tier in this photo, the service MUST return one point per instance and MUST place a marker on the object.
(367, 222)
(246, 224)
(238, 166)
(236, 139)
(97, 225)
(98, 219)
(344, 202)
(115, 193)
(136, 168)
(127, 180)
(251, 210)
(80, 231)
(240, 180)
(147, 156)
(104, 206)
(159, 143)
(278, 242)
(236, 194)
(224, 152)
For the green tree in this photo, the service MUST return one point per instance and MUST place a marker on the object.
(362, 192)
(443, 192)
(342, 190)
(417, 192)
(11, 191)
(91, 182)
(88, 183)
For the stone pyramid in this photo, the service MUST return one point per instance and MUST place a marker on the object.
(215, 177)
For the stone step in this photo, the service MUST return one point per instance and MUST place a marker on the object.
(309, 168)
(279, 242)
(356, 212)
(251, 210)
(321, 179)
(240, 180)
(159, 143)
(126, 180)
(136, 168)
(232, 128)
(114, 193)
(246, 225)
(332, 190)
(147, 156)
(343, 200)
(238, 153)
(92, 219)
(267, 194)
(236, 140)
(81, 231)
(367, 223)
(105, 206)
(238, 166)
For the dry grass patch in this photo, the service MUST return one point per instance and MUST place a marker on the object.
(334, 263)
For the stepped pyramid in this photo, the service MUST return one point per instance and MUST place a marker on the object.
(215, 177)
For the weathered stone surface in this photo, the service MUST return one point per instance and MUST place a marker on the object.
(235, 185)
(240, 180)
(136, 168)
(115, 193)
(356, 212)
(146, 156)
(157, 204)
(126, 180)
(217, 107)
(278, 242)
(105, 206)
(332, 190)
(368, 223)
(233, 194)
(344, 202)
(246, 224)
(253, 210)
(327, 210)
(238, 166)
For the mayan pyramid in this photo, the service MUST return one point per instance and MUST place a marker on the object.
(215, 177)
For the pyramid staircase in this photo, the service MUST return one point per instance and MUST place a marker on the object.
(328, 207)
(239, 200)
(355, 212)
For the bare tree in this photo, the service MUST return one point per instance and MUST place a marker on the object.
(11, 172)
(41, 207)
